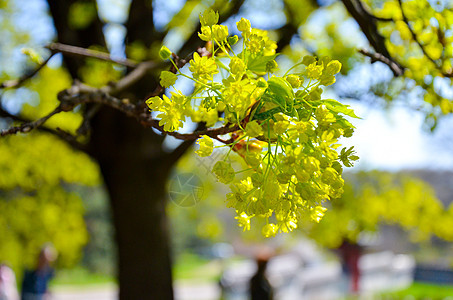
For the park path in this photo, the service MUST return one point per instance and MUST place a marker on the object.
(184, 290)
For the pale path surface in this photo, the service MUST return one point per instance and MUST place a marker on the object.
(185, 290)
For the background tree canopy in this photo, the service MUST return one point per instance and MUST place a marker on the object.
(410, 42)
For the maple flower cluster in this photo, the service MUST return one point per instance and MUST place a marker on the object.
(287, 137)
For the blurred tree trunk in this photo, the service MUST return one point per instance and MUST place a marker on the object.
(135, 172)
(133, 165)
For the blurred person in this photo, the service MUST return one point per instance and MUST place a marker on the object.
(350, 254)
(35, 282)
(8, 287)
(260, 287)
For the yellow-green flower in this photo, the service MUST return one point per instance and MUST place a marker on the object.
(205, 34)
(243, 25)
(206, 146)
(255, 43)
(237, 66)
(317, 213)
(294, 80)
(269, 230)
(202, 68)
(314, 71)
(167, 78)
(224, 171)
(244, 221)
(253, 129)
(220, 32)
(154, 103)
(209, 17)
(172, 115)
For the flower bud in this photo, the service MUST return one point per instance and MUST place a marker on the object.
(220, 32)
(271, 66)
(243, 25)
(294, 81)
(209, 17)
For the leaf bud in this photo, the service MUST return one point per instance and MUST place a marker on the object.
(164, 53)
(233, 39)
(261, 83)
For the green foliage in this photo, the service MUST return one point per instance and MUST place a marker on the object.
(29, 220)
(59, 79)
(419, 37)
(99, 73)
(25, 163)
(81, 14)
(35, 206)
(380, 198)
(420, 290)
(291, 135)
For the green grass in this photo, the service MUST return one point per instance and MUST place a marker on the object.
(187, 266)
(424, 291)
(80, 276)
(191, 266)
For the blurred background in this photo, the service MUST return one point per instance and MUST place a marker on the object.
(388, 236)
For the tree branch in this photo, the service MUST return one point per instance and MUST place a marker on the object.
(397, 69)
(65, 136)
(29, 126)
(84, 52)
(15, 83)
(414, 36)
(367, 23)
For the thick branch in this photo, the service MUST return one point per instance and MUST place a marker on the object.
(90, 35)
(367, 23)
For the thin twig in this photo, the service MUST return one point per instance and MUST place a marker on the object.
(397, 69)
(414, 36)
(78, 51)
(28, 126)
(18, 82)
(80, 93)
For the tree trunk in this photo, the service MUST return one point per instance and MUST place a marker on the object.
(135, 171)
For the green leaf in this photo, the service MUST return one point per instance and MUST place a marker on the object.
(258, 64)
(338, 107)
(281, 87)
